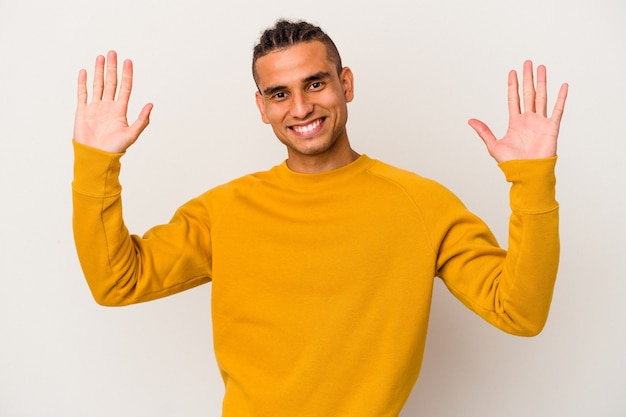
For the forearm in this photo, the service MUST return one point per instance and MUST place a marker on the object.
(534, 246)
(106, 250)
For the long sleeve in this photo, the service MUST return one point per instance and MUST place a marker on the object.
(511, 289)
(121, 268)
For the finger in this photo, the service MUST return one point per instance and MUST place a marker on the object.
(127, 81)
(485, 134)
(559, 106)
(82, 88)
(513, 94)
(528, 87)
(541, 96)
(111, 76)
(98, 78)
(141, 123)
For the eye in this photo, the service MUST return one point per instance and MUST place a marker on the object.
(316, 85)
(279, 96)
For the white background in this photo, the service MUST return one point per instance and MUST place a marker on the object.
(422, 69)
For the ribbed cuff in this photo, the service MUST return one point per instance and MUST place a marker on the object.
(96, 172)
(533, 188)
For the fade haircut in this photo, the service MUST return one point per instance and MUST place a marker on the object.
(286, 33)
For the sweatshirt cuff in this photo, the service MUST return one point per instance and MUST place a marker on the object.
(533, 184)
(96, 172)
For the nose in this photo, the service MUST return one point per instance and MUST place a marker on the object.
(301, 106)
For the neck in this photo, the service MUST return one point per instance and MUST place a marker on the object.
(315, 164)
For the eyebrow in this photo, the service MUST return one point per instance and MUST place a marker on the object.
(314, 77)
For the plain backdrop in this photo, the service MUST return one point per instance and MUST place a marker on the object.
(422, 68)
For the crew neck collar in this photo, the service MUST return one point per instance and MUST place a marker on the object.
(300, 180)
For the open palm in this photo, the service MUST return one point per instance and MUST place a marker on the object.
(531, 134)
(103, 123)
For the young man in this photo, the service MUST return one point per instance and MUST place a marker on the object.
(322, 267)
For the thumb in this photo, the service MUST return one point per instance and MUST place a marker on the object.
(141, 123)
(485, 134)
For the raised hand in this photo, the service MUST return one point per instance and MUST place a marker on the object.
(531, 134)
(102, 124)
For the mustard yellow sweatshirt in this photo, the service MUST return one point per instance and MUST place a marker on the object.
(322, 283)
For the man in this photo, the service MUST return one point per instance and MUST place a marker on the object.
(322, 267)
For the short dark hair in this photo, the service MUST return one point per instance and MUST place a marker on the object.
(286, 33)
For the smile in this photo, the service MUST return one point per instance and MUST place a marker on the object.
(309, 128)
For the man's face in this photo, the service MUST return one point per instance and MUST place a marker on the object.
(305, 101)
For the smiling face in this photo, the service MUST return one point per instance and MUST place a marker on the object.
(305, 101)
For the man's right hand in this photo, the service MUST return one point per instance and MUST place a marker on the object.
(102, 124)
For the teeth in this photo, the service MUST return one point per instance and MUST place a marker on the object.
(308, 128)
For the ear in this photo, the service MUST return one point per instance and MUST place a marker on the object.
(260, 103)
(347, 81)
